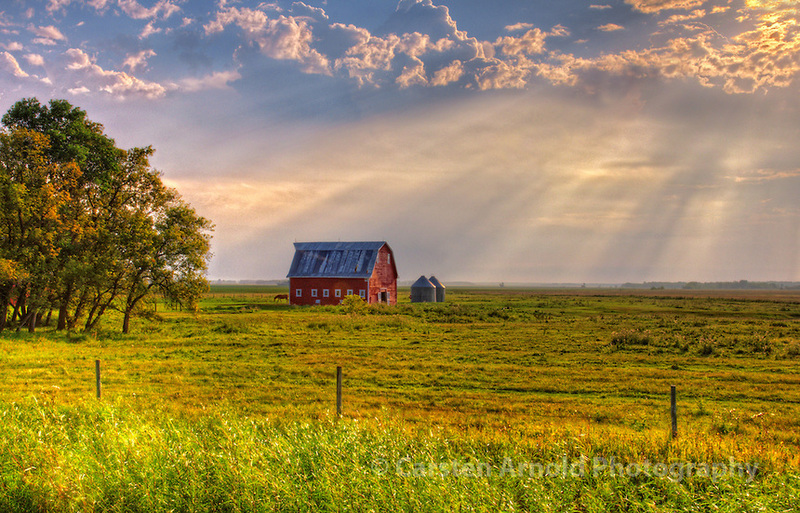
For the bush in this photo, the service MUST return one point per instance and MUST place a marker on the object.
(621, 339)
(353, 304)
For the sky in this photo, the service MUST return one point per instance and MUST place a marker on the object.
(507, 141)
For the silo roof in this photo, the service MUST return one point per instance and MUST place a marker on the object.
(423, 282)
(335, 259)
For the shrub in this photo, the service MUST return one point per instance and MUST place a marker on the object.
(793, 349)
(621, 339)
(353, 304)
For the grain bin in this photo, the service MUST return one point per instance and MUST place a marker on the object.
(423, 291)
(439, 289)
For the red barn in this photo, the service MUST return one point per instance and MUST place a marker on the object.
(323, 273)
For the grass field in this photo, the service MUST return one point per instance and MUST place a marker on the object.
(495, 400)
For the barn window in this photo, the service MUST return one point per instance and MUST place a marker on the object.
(362, 293)
(326, 293)
(388, 258)
(313, 292)
(298, 292)
(349, 292)
(338, 293)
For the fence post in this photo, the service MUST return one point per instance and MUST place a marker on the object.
(338, 391)
(97, 376)
(674, 410)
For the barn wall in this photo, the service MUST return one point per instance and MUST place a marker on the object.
(384, 277)
(308, 285)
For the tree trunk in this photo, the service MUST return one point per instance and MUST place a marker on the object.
(19, 306)
(5, 298)
(63, 309)
(32, 322)
(126, 321)
(73, 321)
(28, 320)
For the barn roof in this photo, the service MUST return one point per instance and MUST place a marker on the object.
(335, 259)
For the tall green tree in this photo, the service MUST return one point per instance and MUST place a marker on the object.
(34, 196)
(88, 227)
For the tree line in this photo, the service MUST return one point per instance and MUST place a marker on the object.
(87, 227)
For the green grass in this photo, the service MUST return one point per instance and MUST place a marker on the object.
(231, 409)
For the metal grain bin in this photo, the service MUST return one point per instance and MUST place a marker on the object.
(439, 289)
(423, 291)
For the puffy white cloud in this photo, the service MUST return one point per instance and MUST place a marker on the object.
(48, 35)
(79, 90)
(301, 9)
(531, 43)
(14, 46)
(34, 59)
(116, 83)
(424, 17)
(162, 8)
(138, 60)
(9, 64)
(249, 20)
(610, 27)
(282, 38)
(453, 72)
(766, 56)
(288, 38)
(683, 18)
(149, 30)
(98, 4)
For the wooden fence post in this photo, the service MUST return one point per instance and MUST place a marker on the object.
(97, 376)
(338, 391)
(674, 410)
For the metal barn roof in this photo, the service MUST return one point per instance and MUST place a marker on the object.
(334, 259)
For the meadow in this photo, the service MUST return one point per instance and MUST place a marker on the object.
(497, 400)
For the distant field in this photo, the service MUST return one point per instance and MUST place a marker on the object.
(492, 376)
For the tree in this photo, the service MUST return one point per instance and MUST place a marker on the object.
(33, 199)
(87, 226)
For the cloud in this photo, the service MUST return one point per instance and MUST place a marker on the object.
(424, 17)
(763, 175)
(116, 83)
(652, 6)
(610, 27)
(57, 5)
(162, 8)
(281, 38)
(149, 30)
(453, 72)
(218, 80)
(98, 4)
(301, 9)
(766, 56)
(34, 59)
(10, 65)
(599, 7)
(13, 46)
(519, 26)
(79, 90)
(48, 35)
(531, 43)
(138, 60)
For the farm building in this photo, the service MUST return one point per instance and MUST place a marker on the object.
(323, 273)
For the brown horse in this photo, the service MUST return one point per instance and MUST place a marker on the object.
(278, 297)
